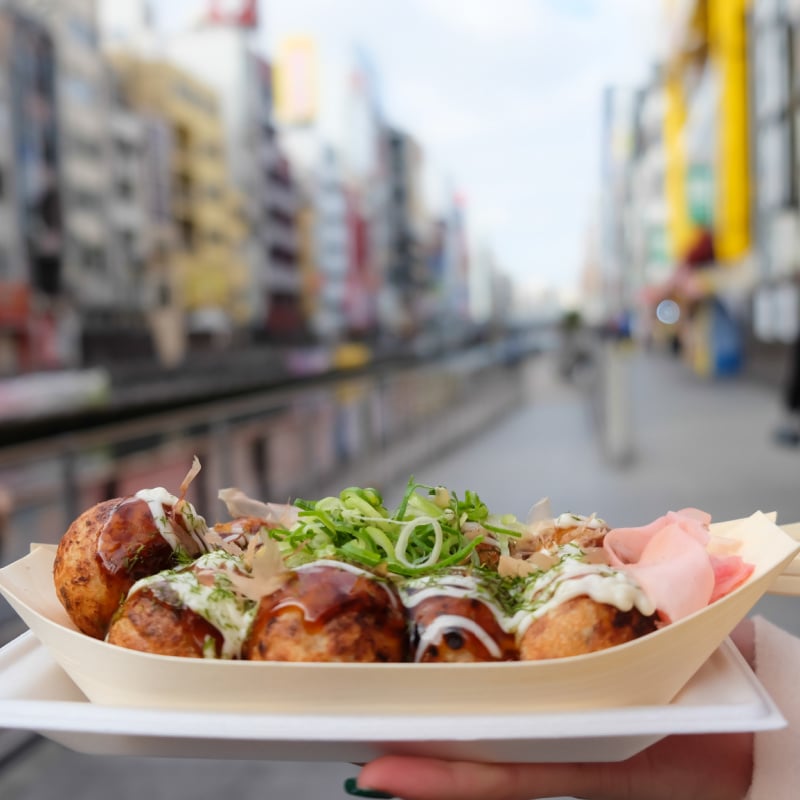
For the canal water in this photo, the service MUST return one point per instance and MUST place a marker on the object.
(305, 441)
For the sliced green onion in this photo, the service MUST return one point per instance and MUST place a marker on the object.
(405, 536)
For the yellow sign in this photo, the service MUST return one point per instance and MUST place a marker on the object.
(296, 79)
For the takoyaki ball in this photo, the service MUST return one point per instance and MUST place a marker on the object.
(488, 555)
(113, 544)
(579, 626)
(585, 532)
(194, 611)
(549, 535)
(454, 618)
(151, 625)
(329, 611)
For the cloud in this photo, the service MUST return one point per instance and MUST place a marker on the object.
(480, 21)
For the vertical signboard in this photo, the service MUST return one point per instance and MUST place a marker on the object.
(296, 81)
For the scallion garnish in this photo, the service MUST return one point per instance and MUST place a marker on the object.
(431, 529)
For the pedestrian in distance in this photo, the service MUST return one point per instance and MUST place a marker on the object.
(788, 433)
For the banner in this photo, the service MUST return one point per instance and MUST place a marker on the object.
(15, 304)
(296, 77)
(237, 13)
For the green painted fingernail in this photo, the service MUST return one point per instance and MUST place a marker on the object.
(351, 787)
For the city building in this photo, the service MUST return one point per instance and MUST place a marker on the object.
(31, 231)
(280, 205)
(206, 281)
(220, 51)
(774, 109)
(362, 283)
(329, 123)
(707, 175)
(648, 244)
(455, 277)
(86, 301)
(14, 291)
(134, 231)
(618, 279)
(331, 249)
(359, 135)
(407, 276)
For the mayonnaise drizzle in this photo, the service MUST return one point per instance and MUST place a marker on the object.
(219, 604)
(568, 520)
(434, 632)
(416, 591)
(573, 578)
(159, 497)
(457, 585)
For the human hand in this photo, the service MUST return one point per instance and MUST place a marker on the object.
(703, 767)
(714, 767)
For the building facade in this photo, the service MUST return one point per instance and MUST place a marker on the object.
(772, 47)
(89, 300)
(221, 54)
(407, 278)
(709, 191)
(31, 226)
(332, 248)
(649, 253)
(206, 281)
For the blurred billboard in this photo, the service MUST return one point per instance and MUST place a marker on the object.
(296, 78)
(237, 13)
(15, 304)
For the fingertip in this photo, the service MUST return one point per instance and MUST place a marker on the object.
(352, 787)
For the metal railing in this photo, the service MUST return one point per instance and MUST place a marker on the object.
(303, 441)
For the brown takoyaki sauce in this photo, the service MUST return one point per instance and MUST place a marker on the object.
(130, 542)
(324, 592)
(454, 618)
(449, 628)
(329, 611)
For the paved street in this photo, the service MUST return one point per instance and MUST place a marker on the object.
(675, 441)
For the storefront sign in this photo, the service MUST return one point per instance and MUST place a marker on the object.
(15, 304)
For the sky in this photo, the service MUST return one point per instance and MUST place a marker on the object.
(503, 95)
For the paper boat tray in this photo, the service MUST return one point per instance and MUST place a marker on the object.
(648, 671)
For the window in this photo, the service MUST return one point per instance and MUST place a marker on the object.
(79, 90)
(83, 31)
(94, 259)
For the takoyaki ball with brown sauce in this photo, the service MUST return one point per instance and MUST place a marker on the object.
(585, 532)
(329, 611)
(459, 629)
(113, 544)
(579, 626)
(454, 618)
(151, 625)
(195, 611)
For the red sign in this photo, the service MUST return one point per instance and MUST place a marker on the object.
(237, 13)
(15, 304)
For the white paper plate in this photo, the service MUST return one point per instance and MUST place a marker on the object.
(646, 672)
(37, 695)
